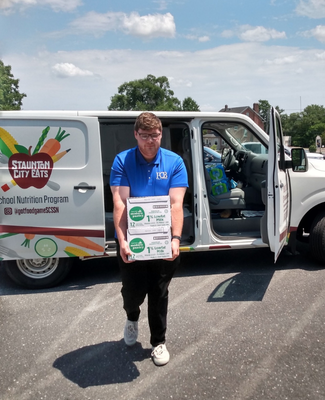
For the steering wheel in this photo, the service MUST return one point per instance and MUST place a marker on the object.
(227, 158)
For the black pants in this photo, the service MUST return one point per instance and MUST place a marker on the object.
(151, 278)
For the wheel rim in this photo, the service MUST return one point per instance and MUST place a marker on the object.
(38, 268)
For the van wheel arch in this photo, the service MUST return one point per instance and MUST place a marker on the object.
(317, 238)
(38, 273)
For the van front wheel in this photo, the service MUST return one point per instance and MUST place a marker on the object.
(317, 238)
(38, 273)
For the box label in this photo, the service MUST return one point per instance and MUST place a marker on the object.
(150, 246)
(148, 214)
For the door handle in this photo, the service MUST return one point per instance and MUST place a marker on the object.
(84, 187)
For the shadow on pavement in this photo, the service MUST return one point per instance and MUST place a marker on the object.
(84, 275)
(253, 267)
(242, 287)
(102, 364)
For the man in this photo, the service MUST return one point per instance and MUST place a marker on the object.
(147, 170)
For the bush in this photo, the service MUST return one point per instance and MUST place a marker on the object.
(312, 148)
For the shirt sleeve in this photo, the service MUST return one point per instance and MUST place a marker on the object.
(118, 174)
(179, 178)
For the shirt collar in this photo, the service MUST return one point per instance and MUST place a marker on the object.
(142, 160)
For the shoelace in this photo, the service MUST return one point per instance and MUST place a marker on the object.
(158, 351)
(131, 329)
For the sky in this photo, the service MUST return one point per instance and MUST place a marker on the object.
(74, 54)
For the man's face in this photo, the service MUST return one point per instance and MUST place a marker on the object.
(148, 142)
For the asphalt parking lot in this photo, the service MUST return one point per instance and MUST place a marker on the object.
(239, 327)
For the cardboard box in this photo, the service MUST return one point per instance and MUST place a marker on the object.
(148, 214)
(150, 246)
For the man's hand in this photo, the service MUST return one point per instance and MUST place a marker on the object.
(125, 252)
(175, 250)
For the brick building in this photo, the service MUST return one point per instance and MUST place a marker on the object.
(252, 113)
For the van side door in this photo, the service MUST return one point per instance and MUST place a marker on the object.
(51, 189)
(278, 188)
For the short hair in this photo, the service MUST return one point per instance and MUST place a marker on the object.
(147, 121)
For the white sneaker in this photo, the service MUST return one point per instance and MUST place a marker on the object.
(160, 355)
(130, 332)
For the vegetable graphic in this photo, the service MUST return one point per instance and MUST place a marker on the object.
(46, 247)
(7, 143)
(74, 252)
(82, 242)
(3, 236)
(52, 146)
(41, 139)
(29, 237)
(29, 168)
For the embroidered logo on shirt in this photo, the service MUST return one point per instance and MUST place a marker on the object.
(161, 175)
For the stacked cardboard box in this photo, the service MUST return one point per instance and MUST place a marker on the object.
(149, 227)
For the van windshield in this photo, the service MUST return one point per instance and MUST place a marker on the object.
(219, 135)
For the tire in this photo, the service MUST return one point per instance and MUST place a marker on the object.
(38, 273)
(317, 238)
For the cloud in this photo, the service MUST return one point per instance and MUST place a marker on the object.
(204, 39)
(259, 34)
(65, 70)
(162, 4)
(237, 74)
(180, 82)
(283, 60)
(249, 33)
(201, 39)
(228, 33)
(146, 26)
(318, 33)
(56, 5)
(311, 8)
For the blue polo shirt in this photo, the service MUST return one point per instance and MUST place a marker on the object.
(155, 178)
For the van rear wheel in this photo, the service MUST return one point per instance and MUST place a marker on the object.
(317, 238)
(38, 273)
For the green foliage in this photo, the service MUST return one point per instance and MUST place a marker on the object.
(312, 148)
(10, 97)
(149, 94)
(190, 105)
(264, 107)
(303, 127)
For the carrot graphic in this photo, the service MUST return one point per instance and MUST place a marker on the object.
(52, 146)
(82, 242)
(29, 237)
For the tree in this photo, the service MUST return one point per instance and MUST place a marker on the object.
(264, 107)
(10, 97)
(190, 105)
(150, 94)
(303, 127)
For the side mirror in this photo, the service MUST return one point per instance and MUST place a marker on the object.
(299, 161)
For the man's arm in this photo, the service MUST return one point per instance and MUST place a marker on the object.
(120, 194)
(176, 203)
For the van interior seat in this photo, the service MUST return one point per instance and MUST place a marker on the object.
(234, 199)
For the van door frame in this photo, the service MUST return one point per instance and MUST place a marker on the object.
(278, 188)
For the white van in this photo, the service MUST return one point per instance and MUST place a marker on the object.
(56, 203)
